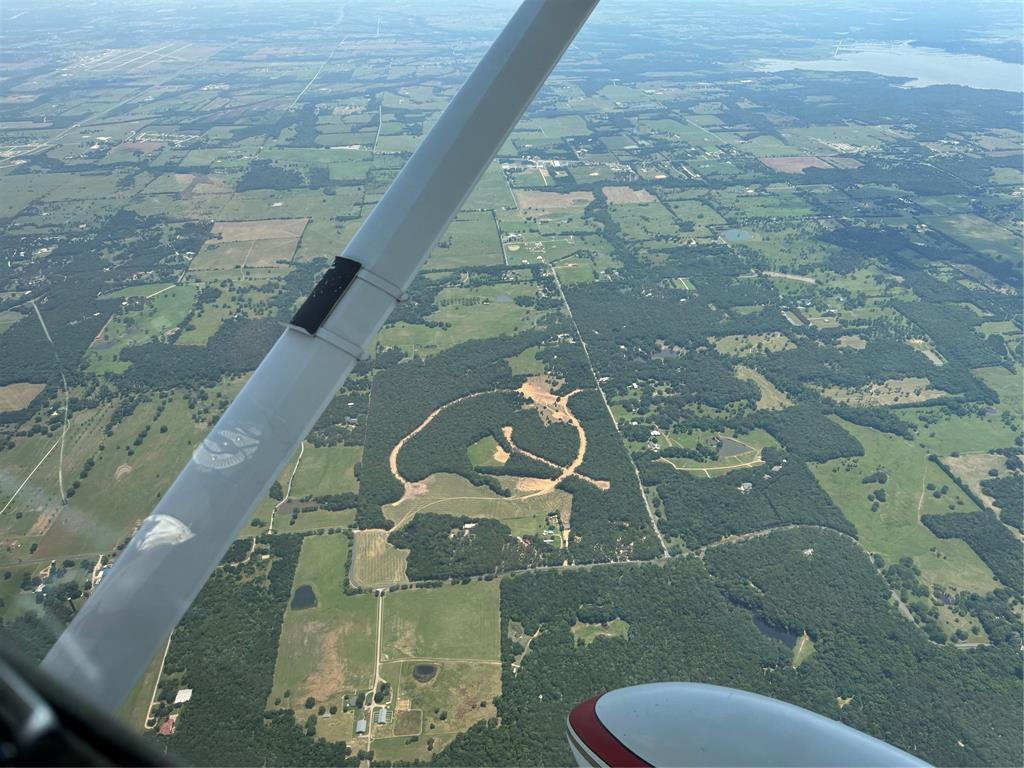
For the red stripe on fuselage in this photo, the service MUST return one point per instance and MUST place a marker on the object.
(599, 740)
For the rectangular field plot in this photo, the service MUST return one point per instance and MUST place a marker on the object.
(471, 240)
(326, 650)
(434, 700)
(376, 563)
(14, 397)
(326, 470)
(250, 244)
(458, 622)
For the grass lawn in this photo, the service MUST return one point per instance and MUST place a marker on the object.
(451, 622)
(326, 651)
(481, 453)
(326, 470)
(895, 529)
(526, 363)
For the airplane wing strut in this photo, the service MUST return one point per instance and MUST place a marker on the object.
(119, 630)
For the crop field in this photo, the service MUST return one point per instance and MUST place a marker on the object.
(453, 622)
(15, 397)
(250, 244)
(895, 530)
(326, 651)
(326, 470)
(376, 563)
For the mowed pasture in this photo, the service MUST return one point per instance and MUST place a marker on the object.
(326, 470)
(328, 650)
(375, 562)
(537, 202)
(616, 195)
(743, 345)
(456, 622)
(263, 243)
(447, 494)
(895, 529)
(471, 240)
(795, 163)
(15, 397)
(772, 398)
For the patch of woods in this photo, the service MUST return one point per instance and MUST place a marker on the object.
(704, 509)
(695, 623)
(1008, 494)
(442, 547)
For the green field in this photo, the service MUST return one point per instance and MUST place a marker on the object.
(895, 529)
(470, 241)
(164, 309)
(315, 520)
(451, 622)
(448, 494)
(326, 651)
(466, 313)
(326, 470)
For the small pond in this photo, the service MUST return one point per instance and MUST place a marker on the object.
(304, 597)
(424, 673)
(736, 235)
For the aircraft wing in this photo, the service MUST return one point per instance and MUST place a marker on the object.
(692, 724)
(127, 620)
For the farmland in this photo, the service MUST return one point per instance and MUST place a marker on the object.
(721, 349)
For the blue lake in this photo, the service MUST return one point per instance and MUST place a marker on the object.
(923, 66)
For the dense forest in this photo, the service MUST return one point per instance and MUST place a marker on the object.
(867, 659)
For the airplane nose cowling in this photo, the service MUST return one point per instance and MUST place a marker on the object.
(692, 724)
